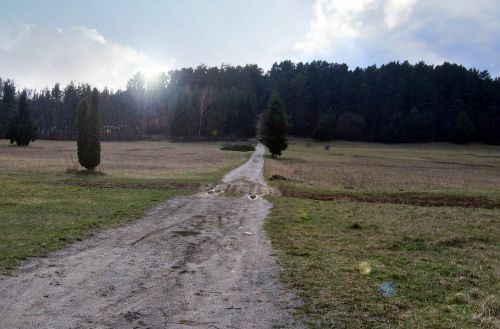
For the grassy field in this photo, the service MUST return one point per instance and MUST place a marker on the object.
(45, 205)
(410, 236)
(142, 159)
(369, 167)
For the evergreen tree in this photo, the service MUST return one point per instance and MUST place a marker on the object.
(70, 105)
(182, 120)
(7, 105)
(81, 130)
(325, 129)
(449, 118)
(395, 130)
(419, 126)
(89, 130)
(20, 128)
(489, 124)
(274, 126)
(94, 132)
(463, 128)
(350, 126)
(245, 118)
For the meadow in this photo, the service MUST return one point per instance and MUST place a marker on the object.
(371, 167)
(45, 203)
(141, 159)
(370, 235)
(389, 236)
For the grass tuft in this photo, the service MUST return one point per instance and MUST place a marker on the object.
(186, 233)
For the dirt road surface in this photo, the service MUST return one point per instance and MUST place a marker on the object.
(201, 261)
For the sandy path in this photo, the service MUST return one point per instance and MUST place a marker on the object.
(148, 275)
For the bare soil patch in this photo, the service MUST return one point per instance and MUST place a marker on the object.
(139, 186)
(403, 199)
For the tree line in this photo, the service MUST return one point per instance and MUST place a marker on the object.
(396, 102)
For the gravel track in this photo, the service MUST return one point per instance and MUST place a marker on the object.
(200, 261)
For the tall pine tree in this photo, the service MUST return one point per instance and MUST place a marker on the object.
(463, 128)
(7, 105)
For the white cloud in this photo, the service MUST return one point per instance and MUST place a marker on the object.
(364, 32)
(397, 11)
(37, 56)
(335, 22)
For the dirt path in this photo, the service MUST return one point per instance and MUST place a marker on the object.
(193, 262)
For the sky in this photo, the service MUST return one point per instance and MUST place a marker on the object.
(105, 42)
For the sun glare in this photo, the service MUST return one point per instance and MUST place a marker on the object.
(152, 70)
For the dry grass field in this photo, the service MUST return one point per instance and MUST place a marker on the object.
(143, 159)
(425, 218)
(350, 166)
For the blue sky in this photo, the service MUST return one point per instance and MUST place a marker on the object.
(105, 42)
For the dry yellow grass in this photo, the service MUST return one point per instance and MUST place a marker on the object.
(379, 167)
(143, 159)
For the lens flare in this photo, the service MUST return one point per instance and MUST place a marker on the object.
(388, 289)
(365, 268)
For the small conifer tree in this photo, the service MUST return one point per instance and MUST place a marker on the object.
(273, 126)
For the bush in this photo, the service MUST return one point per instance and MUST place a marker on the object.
(325, 128)
(350, 126)
(238, 148)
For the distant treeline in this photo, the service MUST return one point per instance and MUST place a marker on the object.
(397, 102)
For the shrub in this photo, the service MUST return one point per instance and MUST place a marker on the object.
(239, 148)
